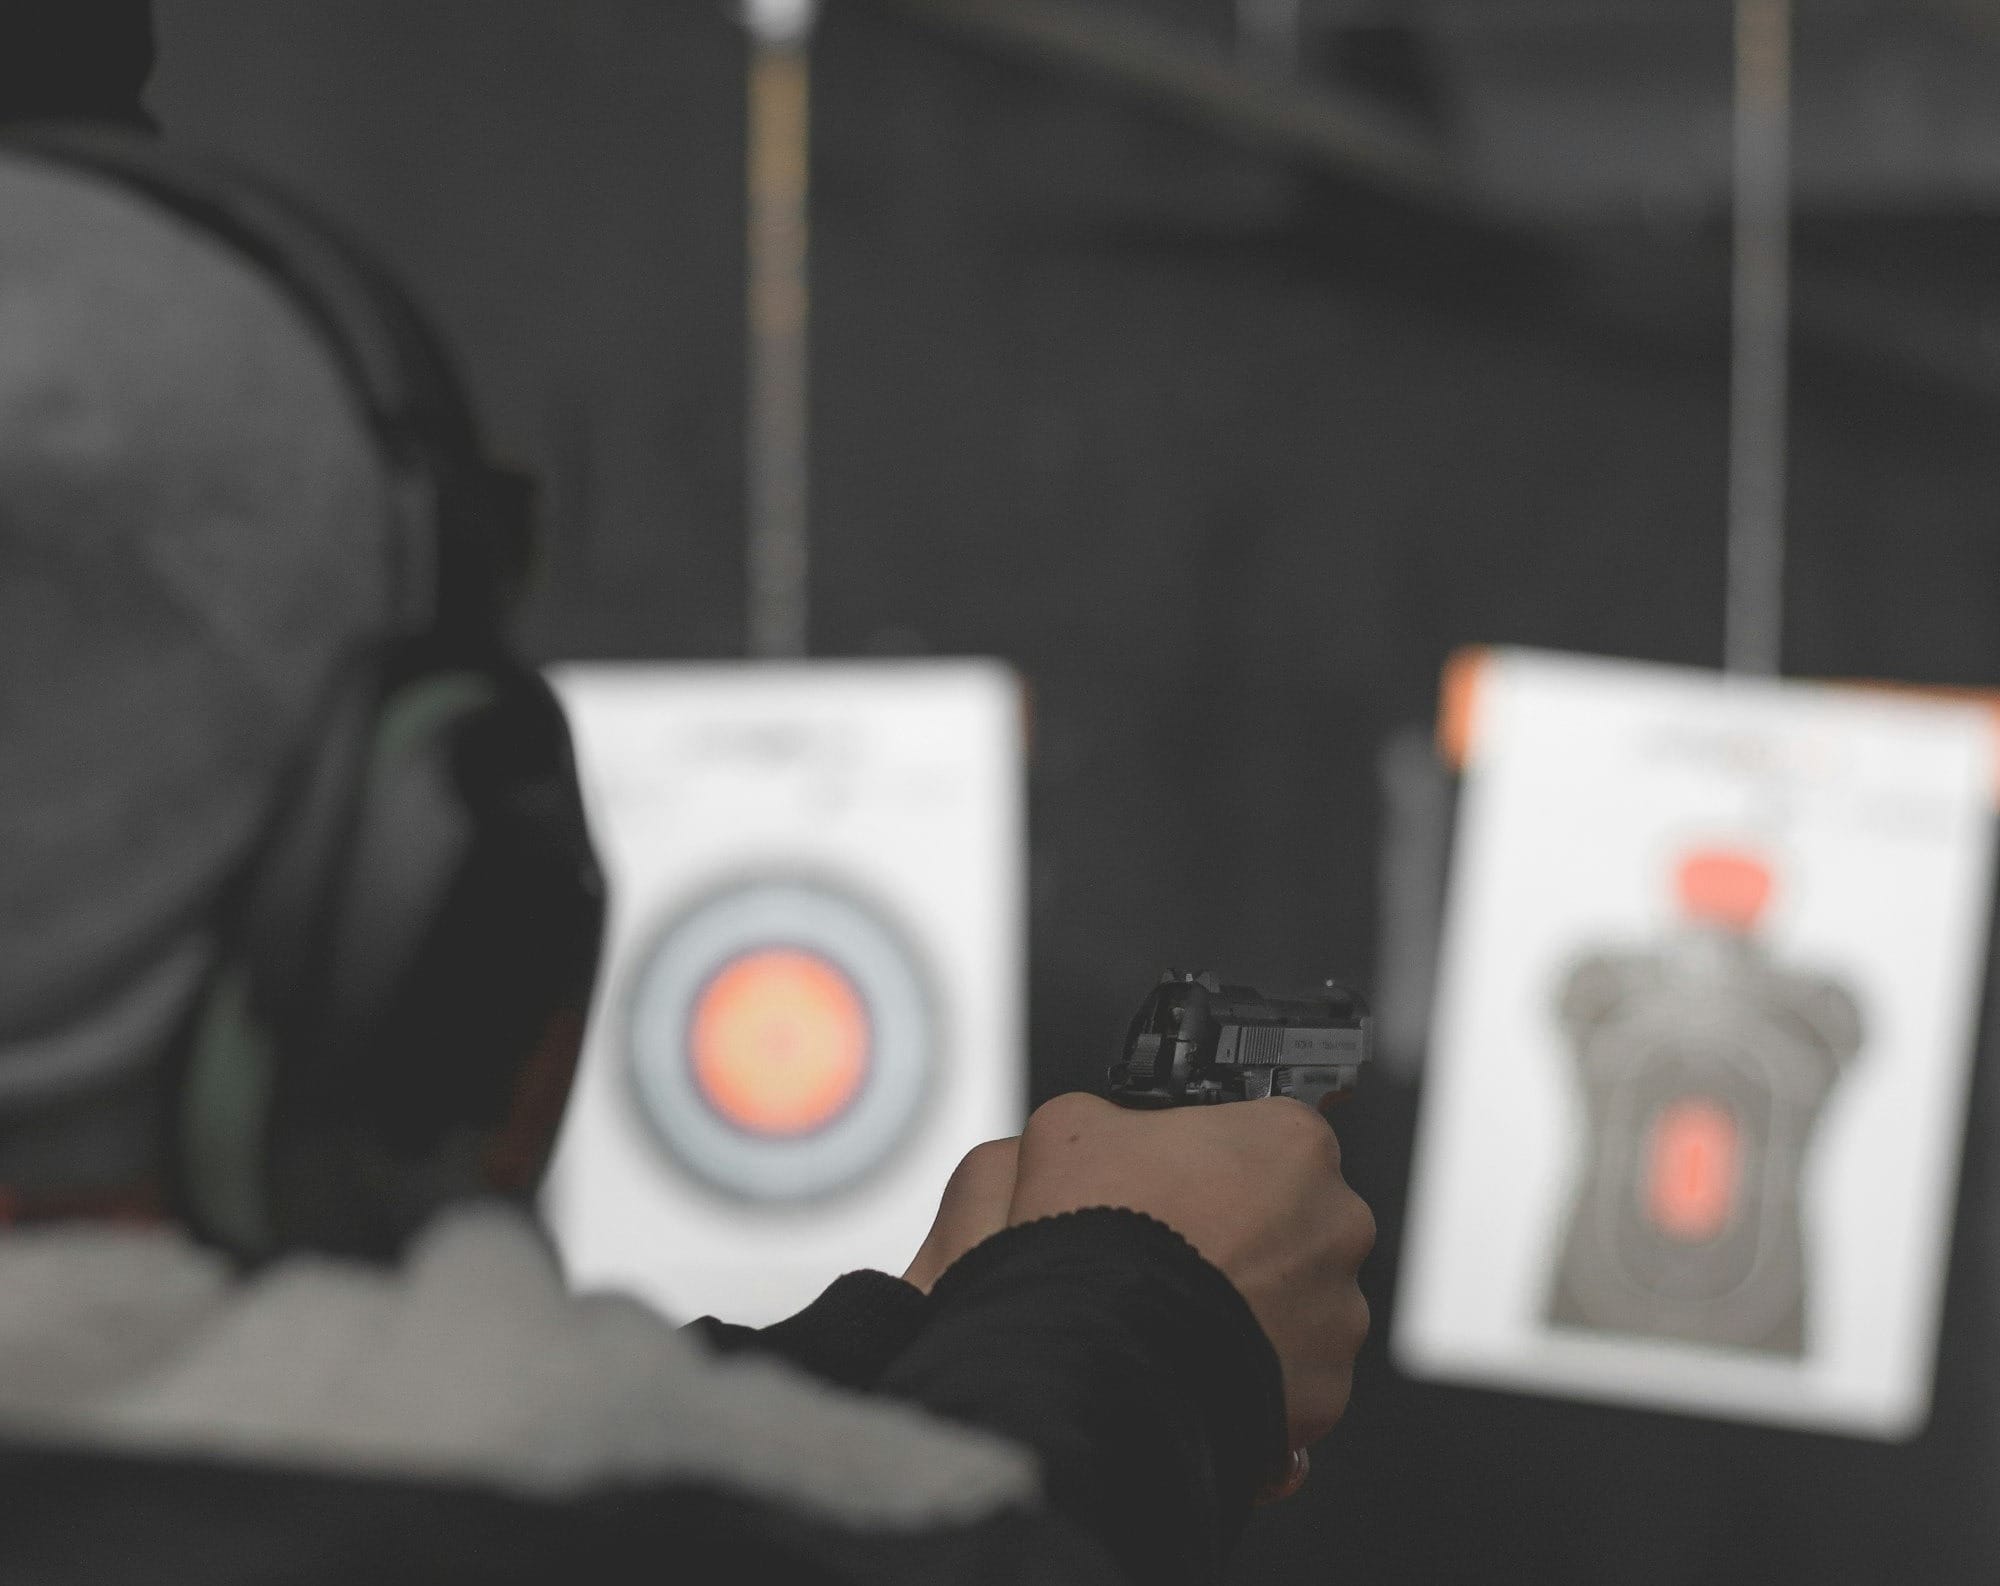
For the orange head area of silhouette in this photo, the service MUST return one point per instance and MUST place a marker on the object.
(1723, 886)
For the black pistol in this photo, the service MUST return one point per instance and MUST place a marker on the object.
(1196, 1041)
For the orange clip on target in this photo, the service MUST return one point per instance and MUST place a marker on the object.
(779, 1042)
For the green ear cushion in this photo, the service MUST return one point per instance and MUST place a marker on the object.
(225, 1098)
(419, 710)
(227, 1089)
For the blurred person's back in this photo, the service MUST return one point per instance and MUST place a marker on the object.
(204, 536)
(299, 918)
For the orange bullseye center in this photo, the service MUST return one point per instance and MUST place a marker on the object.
(779, 1042)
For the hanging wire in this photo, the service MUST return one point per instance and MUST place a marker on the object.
(1760, 320)
(778, 312)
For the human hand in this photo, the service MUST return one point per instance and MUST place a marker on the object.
(1256, 1188)
(973, 1209)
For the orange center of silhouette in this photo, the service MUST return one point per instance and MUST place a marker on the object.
(1695, 1163)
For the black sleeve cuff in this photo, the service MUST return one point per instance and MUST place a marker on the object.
(1103, 1341)
(847, 1336)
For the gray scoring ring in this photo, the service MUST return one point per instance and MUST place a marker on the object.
(680, 964)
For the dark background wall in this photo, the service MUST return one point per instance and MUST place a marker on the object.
(1225, 454)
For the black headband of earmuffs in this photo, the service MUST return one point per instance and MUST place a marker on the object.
(421, 922)
(476, 528)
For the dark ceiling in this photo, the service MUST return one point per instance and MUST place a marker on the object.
(1595, 136)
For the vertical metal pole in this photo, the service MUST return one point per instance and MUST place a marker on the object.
(778, 314)
(1760, 293)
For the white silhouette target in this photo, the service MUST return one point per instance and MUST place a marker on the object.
(1706, 1012)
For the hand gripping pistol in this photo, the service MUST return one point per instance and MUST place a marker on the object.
(1195, 1041)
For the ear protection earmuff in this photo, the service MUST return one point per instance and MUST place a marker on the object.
(409, 955)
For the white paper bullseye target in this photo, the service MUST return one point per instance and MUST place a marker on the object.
(809, 1005)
